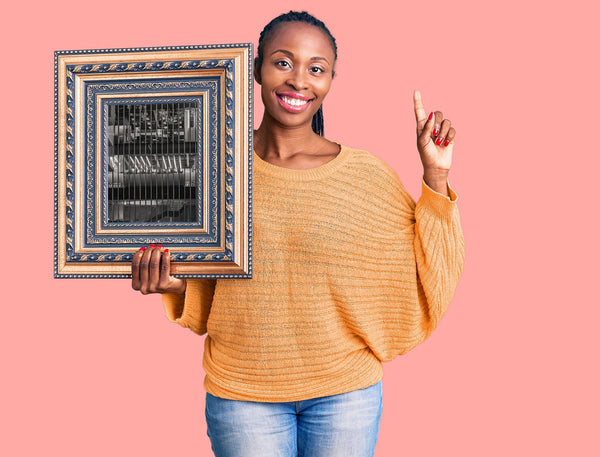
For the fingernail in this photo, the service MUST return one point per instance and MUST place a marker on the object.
(143, 248)
(446, 143)
(438, 141)
(151, 245)
(436, 131)
(166, 250)
(430, 116)
(160, 245)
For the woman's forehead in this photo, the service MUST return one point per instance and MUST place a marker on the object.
(299, 36)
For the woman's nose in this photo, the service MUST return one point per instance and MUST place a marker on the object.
(297, 79)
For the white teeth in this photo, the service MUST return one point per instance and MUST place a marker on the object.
(294, 101)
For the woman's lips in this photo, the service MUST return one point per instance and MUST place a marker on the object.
(292, 102)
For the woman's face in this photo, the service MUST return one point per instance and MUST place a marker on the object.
(296, 73)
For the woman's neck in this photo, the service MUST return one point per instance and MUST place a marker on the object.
(281, 142)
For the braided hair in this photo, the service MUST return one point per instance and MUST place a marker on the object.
(297, 16)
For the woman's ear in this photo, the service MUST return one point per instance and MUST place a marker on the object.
(256, 71)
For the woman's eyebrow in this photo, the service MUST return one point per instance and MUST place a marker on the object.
(291, 54)
(285, 51)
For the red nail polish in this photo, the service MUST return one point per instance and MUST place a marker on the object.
(446, 143)
(151, 245)
(430, 116)
(438, 141)
(143, 248)
(166, 250)
(436, 131)
(160, 245)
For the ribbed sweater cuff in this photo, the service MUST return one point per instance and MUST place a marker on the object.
(189, 311)
(173, 304)
(438, 204)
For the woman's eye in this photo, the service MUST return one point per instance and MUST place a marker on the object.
(316, 70)
(282, 63)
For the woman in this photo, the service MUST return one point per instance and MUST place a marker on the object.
(349, 271)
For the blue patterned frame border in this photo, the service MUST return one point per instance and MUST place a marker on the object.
(142, 237)
(71, 259)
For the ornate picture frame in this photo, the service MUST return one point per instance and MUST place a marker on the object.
(153, 146)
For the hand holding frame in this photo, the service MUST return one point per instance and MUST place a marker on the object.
(151, 272)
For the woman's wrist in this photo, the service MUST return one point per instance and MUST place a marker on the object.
(177, 286)
(437, 180)
(182, 288)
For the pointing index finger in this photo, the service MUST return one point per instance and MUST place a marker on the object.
(420, 114)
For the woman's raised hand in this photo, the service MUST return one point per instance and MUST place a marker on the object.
(435, 142)
(151, 272)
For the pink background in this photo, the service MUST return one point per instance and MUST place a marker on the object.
(91, 368)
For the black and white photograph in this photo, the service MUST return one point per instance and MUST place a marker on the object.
(152, 162)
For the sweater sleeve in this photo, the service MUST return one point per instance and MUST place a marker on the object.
(426, 276)
(192, 309)
(439, 252)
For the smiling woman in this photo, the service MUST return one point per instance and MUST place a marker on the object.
(298, 18)
(349, 271)
(295, 68)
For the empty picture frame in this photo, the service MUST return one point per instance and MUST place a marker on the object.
(153, 146)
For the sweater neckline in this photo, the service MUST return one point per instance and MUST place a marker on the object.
(309, 174)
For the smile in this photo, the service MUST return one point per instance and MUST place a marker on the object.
(293, 102)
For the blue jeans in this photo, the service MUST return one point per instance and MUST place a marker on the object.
(344, 425)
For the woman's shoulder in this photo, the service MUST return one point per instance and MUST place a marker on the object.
(376, 182)
(371, 164)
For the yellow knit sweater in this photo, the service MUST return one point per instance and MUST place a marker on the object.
(348, 272)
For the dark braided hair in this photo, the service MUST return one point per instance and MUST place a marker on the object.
(297, 16)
